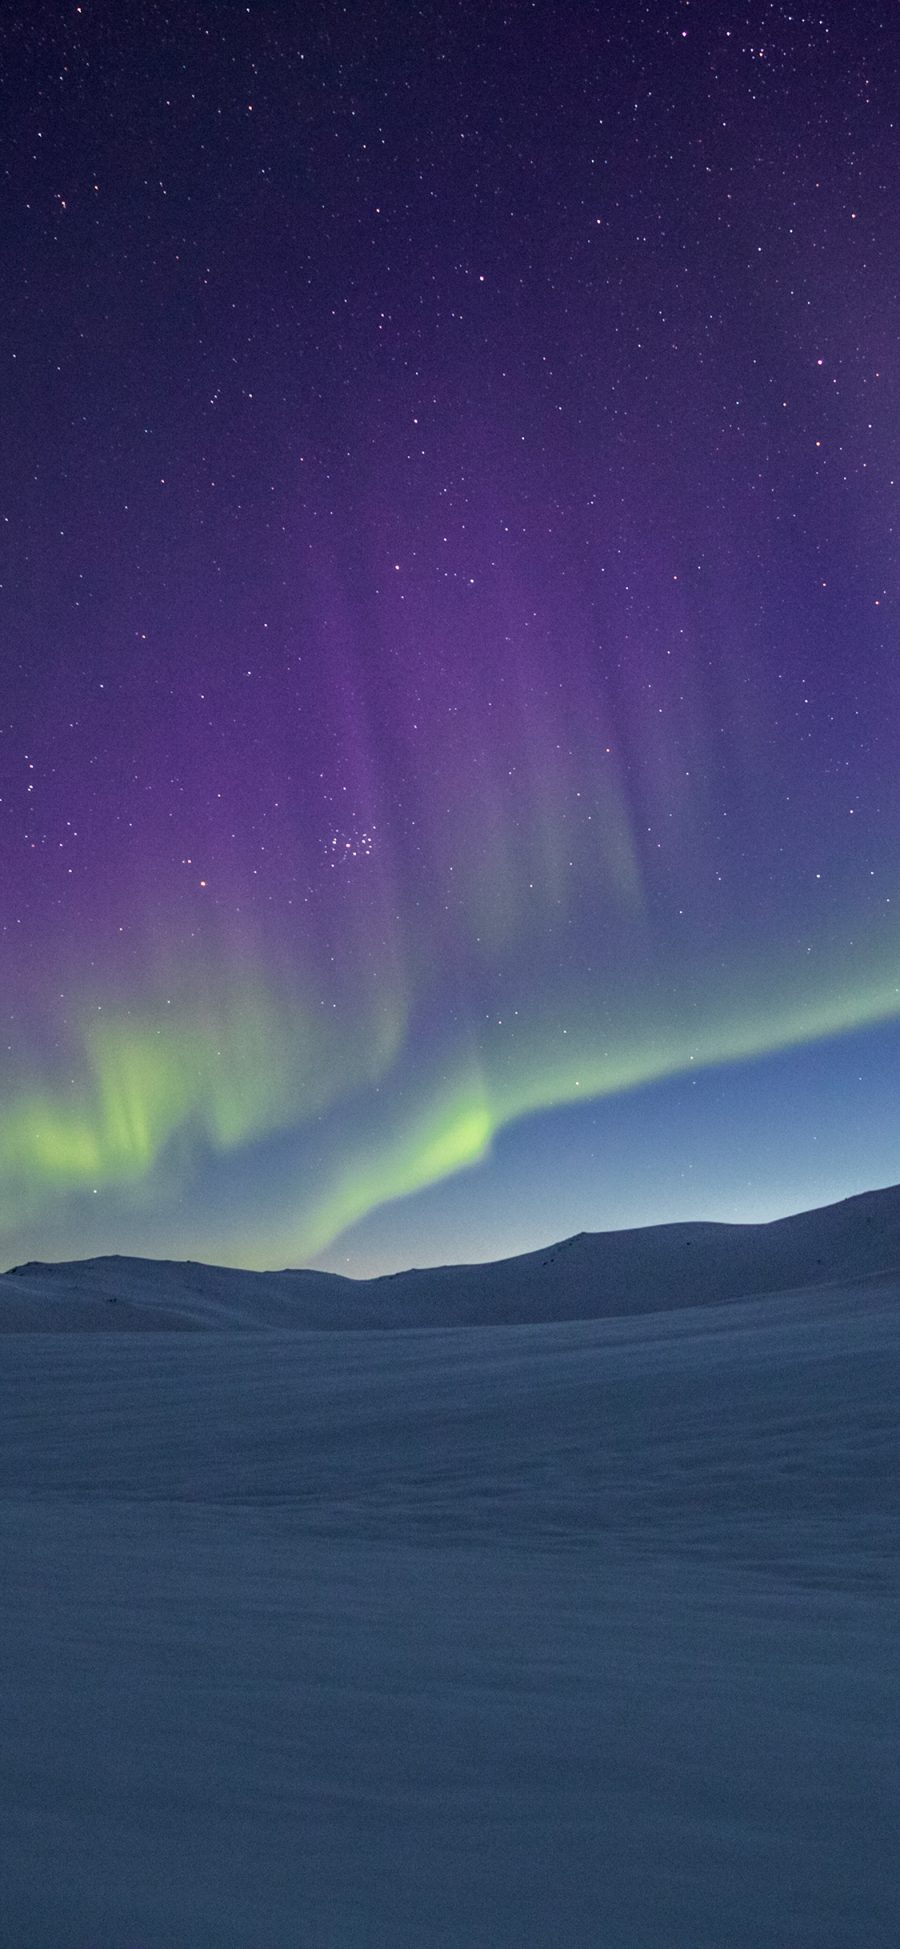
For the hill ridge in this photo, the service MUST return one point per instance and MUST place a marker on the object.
(591, 1275)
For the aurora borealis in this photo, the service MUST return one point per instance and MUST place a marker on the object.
(449, 786)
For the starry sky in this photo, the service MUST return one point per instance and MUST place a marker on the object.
(449, 678)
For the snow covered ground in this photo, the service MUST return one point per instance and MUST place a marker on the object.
(569, 1636)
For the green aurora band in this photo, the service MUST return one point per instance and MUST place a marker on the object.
(155, 1092)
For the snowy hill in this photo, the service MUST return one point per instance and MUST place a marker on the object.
(581, 1630)
(595, 1275)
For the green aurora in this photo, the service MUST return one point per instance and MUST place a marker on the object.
(156, 1093)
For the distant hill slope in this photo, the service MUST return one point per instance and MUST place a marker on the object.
(594, 1275)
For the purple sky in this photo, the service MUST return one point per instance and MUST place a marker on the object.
(449, 711)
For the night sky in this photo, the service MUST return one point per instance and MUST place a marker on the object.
(449, 678)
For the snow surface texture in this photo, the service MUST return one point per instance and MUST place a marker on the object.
(578, 1635)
